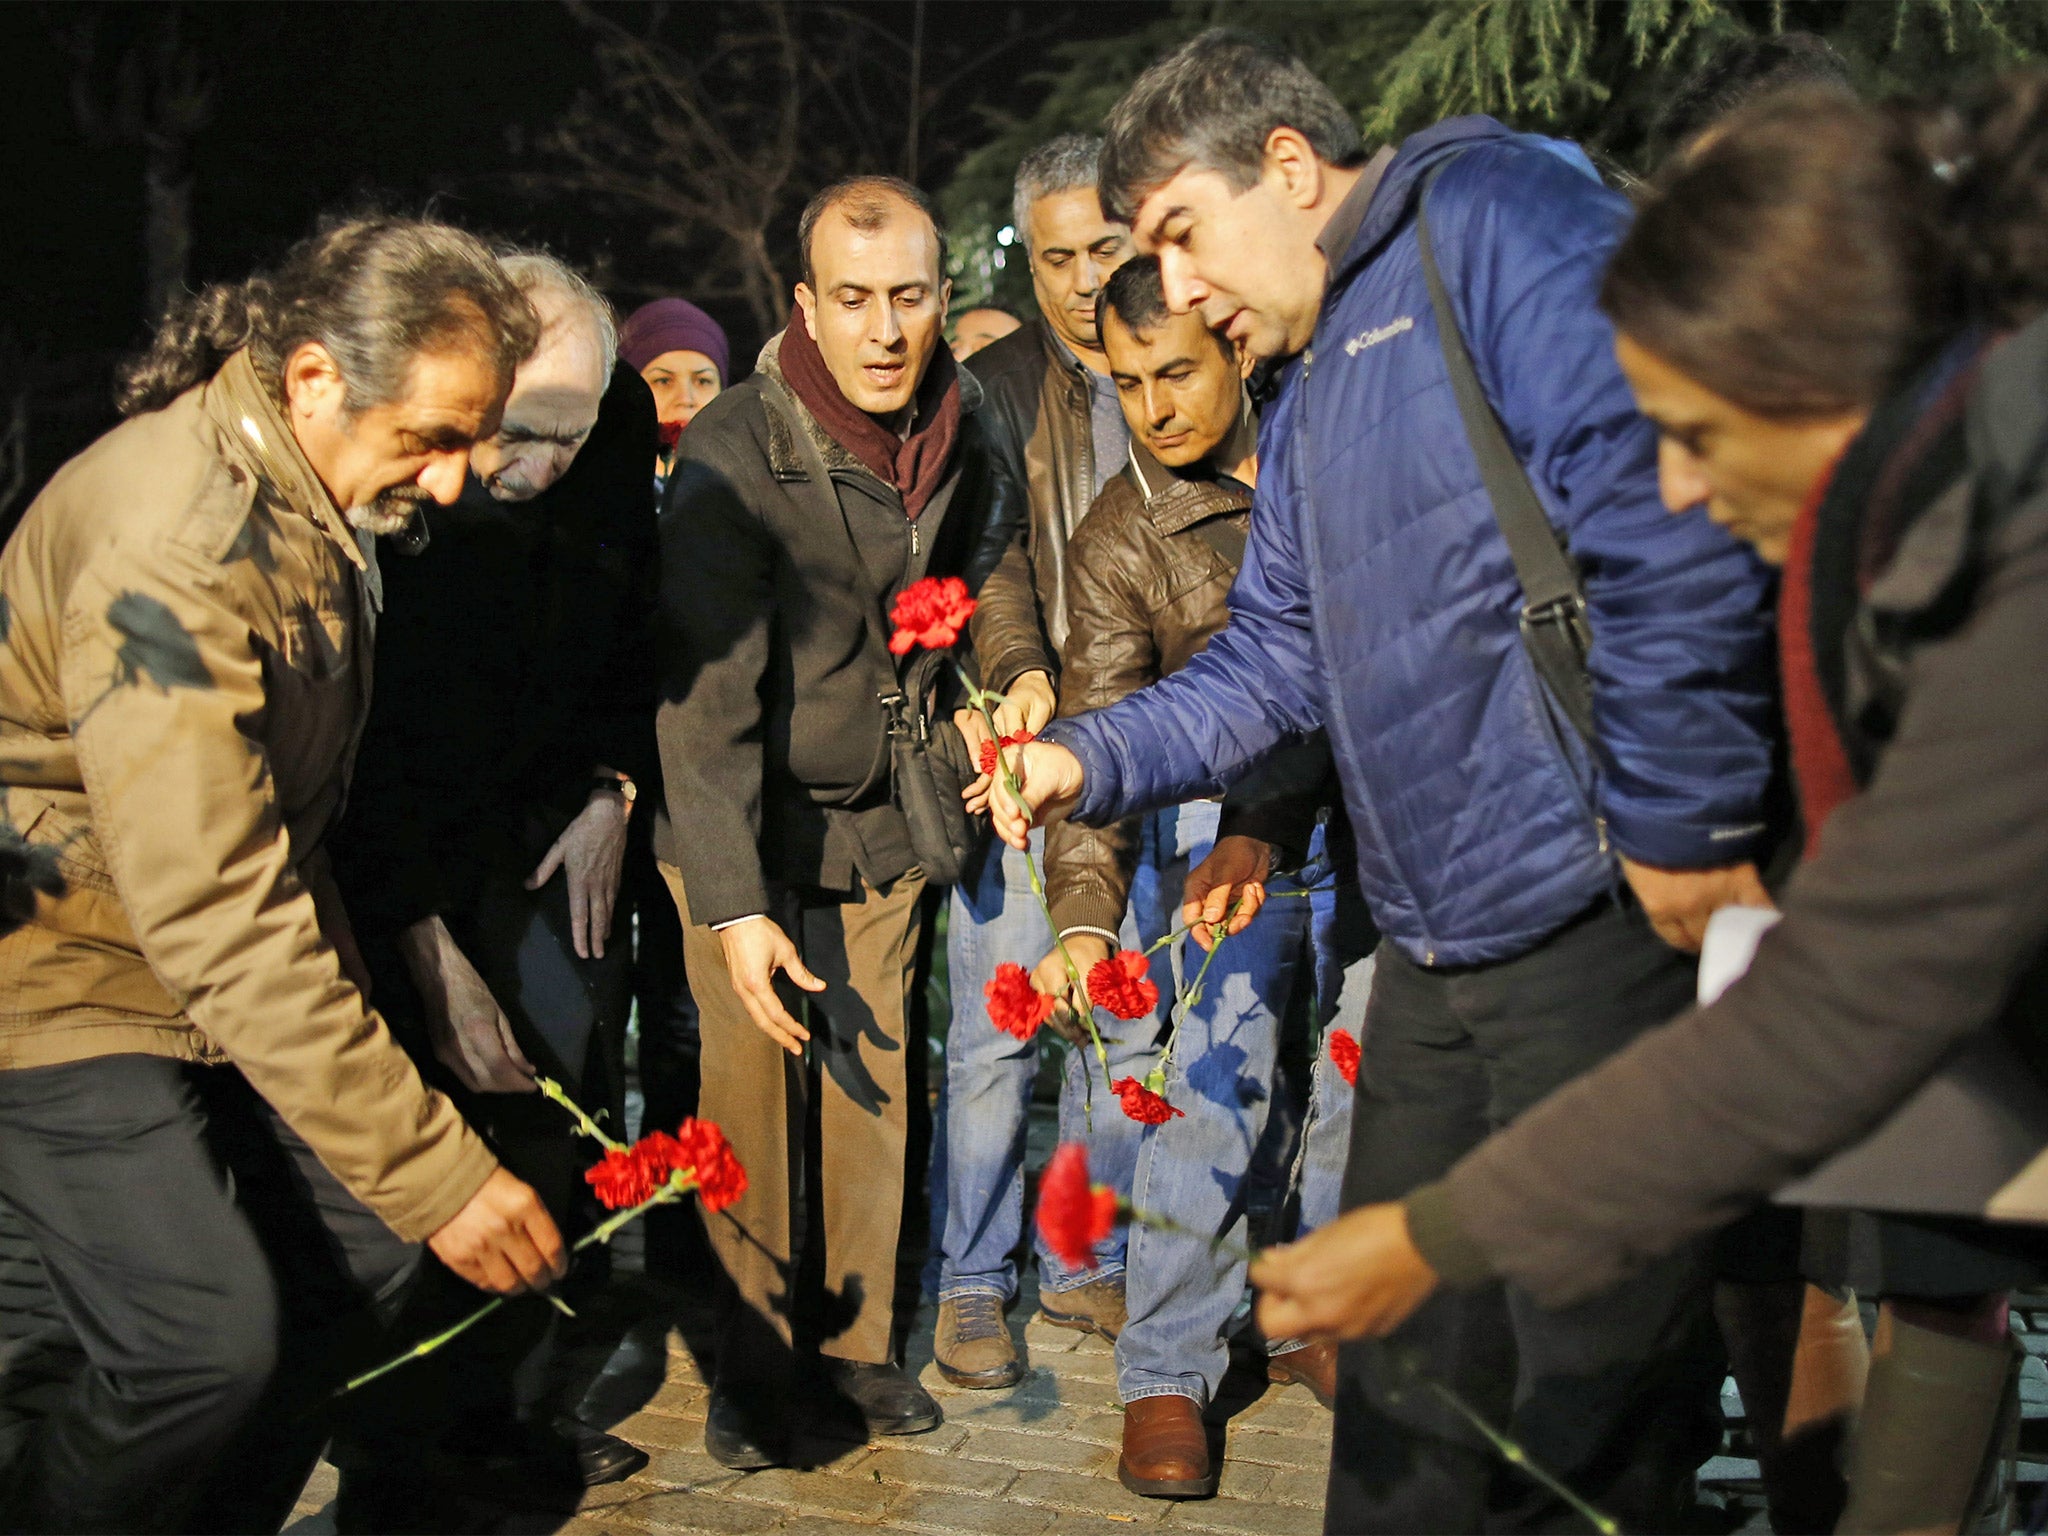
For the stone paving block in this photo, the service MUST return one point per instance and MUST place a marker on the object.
(819, 1493)
(679, 1399)
(686, 1467)
(1244, 1480)
(813, 1525)
(1296, 1485)
(969, 1516)
(943, 1441)
(1309, 1452)
(1088, 1366)
(1033, 1451)
(1100, 1428)
(1254, 1517)
(660, 1431)
(1294, 1410)
(938, 1472)
(651, 1509)
(1099, 1496)
(1044, 1338)
(1026, 1416)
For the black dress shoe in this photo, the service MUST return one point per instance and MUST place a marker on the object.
(732, 1441)
(888, 1397)
(600, 1458)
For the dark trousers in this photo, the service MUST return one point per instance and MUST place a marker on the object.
(216, 1280)
(1618, 1397)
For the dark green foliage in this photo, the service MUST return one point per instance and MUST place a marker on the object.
(1592, 70)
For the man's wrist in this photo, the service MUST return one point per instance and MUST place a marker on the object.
(734, 922)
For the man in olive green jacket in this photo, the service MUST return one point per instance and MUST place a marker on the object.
(191, 1083)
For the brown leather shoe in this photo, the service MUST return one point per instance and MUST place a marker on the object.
(1313, 1365)
(1166, 1449)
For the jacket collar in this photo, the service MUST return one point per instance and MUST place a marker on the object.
(1402, 178)
(254, 433)
(784, 461)
(1176, 502)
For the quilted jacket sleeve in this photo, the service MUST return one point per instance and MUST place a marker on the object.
(1681, 611)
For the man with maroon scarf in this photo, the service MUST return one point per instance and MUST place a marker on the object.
(803, 501)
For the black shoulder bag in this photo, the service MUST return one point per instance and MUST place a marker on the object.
(1555, 630)
(929, 765)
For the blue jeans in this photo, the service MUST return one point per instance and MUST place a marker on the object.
(978, 1138)
(1344, 939)
(1192, 1169)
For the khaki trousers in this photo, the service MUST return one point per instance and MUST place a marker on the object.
(759, 1095)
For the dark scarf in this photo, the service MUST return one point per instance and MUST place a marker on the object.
(1910, 451)
(915, 465)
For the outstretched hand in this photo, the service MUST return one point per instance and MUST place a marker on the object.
(1359, 1277)
(1051, 779)
(1233, 875)
(754, 951)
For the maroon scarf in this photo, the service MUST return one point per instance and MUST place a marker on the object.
(915, 465)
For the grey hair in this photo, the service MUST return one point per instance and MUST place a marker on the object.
(1213, 102)
(1064, 164)
(536, 272)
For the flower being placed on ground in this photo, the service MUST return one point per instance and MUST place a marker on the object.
(1344, 1053)
(1123, 984)
(930, 613)
(629, 1176)
(1142, 1104)
(1074, 1216)
(992, 751)
(1014, 1005)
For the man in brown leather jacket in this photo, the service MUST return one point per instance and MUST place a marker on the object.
(1055, 420)
(218, 1149)
(1150, 571)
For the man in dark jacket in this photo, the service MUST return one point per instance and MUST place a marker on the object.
(480, 855)
(1523, 876)
(804, 500)
(1151, 566)
(1054, 418)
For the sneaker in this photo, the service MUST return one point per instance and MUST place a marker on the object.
(1097, 1307)
(972, 1346)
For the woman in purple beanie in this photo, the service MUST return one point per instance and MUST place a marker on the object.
(683, 355)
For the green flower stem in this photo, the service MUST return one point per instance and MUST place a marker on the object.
(681, 1182)
(984, 700)
(1515, 1456)
(551, 1089)
(1159, 1223)
(1184, 1004)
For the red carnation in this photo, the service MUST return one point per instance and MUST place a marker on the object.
(1014, 1005)
(1344, 1052)
(720, 1178)
(930, 612)
(1073, 1215)
(671, 433)
(991, 751)
(1142, 1104)
(1123, 984)
(624, 1178)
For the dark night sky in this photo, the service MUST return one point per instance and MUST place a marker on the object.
(324, 105)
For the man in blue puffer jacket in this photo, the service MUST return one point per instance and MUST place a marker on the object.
(1537, 892)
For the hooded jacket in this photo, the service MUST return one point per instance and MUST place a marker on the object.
(1378, 598)
(186, 627)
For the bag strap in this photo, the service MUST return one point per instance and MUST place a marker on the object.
(1551, 591)
(778, 398)
(1226, 538)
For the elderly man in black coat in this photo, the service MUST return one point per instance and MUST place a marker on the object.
(480, 858)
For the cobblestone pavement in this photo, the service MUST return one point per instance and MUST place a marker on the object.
(1036, 1460)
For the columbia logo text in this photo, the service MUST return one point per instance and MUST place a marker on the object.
(1378, 334)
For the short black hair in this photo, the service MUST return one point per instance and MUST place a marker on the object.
(1741, 70)
(1213, 102)
(866, 201)
(1136, 295)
